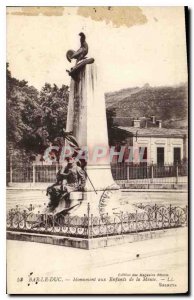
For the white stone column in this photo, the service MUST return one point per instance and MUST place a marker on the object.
(87, 120)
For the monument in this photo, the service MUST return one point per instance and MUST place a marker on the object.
(89, 215)
(86, 120)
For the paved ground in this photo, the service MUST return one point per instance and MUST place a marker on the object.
(164, 260)
(38, 197)
(159, 264)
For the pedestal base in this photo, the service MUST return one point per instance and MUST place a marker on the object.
(97, 203)
(100, 178)
(87, 244)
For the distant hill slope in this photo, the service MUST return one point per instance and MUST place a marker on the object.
(168, 104)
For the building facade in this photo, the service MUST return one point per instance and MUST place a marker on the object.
(158, 145)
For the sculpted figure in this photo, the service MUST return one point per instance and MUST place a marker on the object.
(81, 52)
(69, 179)
(80, 56)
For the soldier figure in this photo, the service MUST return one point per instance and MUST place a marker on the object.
(70, 178)
(74, 175)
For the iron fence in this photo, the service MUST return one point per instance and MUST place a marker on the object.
(150, 218)
(122, 172)
(32, 173)
(144, 173)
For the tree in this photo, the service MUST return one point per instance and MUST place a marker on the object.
(34, 119)
(54, 101)
(21, 103)
(115, 134)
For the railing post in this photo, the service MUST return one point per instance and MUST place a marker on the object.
(186, 214)
(88, 215)
(25, 218)
(152, 171)
(12, 216)
(136, 221)
(122, 223)
(170, 212)
(149, 219)
(33, 173)
(107, 225)
(53, 223)
(155, 213)
(11, 170)
(91, 225)
(127, 172)
(68, 224)
(177, 172)
(46, 222)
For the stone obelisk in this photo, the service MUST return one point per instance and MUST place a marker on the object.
(86, 119)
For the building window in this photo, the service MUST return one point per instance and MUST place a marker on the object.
(143, 155)
(160, 155)
(177, 155)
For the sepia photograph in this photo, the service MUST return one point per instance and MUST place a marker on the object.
(97, 150)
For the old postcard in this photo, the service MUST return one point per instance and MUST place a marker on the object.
(97, 150)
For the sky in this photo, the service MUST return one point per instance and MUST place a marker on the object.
(131, 47)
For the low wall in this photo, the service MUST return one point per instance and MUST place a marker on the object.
(88, 244)
(153, 186)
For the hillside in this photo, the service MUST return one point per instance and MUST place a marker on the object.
(168, 104)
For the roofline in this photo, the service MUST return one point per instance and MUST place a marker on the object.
(140, 134)
(159, 135)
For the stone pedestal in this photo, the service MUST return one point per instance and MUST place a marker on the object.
(87, 120)
(99, 203)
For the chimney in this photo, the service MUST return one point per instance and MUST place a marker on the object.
(136, 123)
(159, 123)
(153, 119)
